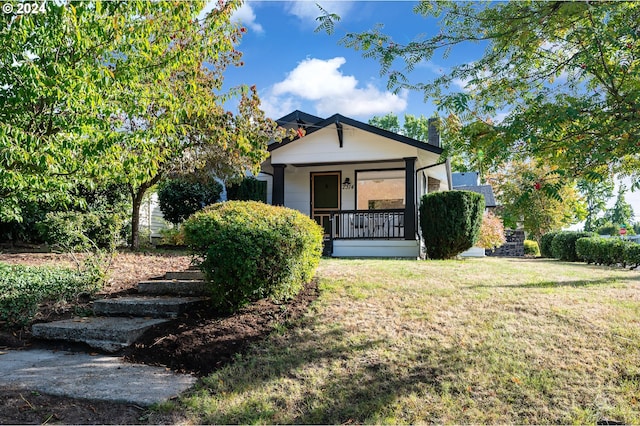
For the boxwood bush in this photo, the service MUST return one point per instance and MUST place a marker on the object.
(563, 246)
(531, 248)
(450, 222)
(545, 244)
(250, 250)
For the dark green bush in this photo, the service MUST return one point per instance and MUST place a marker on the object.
(180, 198)
(76, 231)
(632, 255)
(603, 251)
(563, 246)
(607, 229)
(23, 288)
(531, 248)
(251, 250)
(450, 222)
(545, 244)
(250, 189)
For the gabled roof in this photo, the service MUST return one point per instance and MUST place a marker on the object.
(486, 190)
(296, 116)
(338, 119)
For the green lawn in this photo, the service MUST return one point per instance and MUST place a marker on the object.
(474, 341)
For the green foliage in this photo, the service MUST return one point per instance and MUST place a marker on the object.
(76, 231)
(249, 189)
(632, 255)
(172, 236)
(570, 87)
(179, 198)
(536, 197)
(621, 213)
(607, 229)
(23, 288)
(596, 194)
(450, 222)
(252, 250)
(563, 246)
(545, 244)
(531, 248)
(121, 92)
(491, 232)
(605, 251)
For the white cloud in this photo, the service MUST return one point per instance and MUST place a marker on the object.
(243, 15)
(330, 91)
(247, 17)
(308, 11)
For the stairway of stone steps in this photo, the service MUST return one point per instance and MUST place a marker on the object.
(120, 321)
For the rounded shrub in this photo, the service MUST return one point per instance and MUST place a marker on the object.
(531, 248)
(250, 250)
(563, 246)
(545, 244)
(450, 222)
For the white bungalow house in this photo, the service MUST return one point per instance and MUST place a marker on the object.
(362, 184)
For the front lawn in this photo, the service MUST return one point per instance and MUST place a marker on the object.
(475, 341)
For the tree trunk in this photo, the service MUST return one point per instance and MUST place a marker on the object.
(137, 195)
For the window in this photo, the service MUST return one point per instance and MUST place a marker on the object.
(380, 190)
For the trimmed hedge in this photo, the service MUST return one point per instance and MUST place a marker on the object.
(632, 255)
(608, 251)
(251, 250)
(180, 198)
(563, 246)
(531, 248)
(250, 189)
(545, 244)
(450, 222)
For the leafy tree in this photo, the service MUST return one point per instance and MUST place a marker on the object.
(120, 92)
(388, 122)
(180, 197)
(413, 127)
(621, 213)
(596, 194)
(418, 128)
(491, 232)
(564, 73)
(538, 208)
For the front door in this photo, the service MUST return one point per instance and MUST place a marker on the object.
(325, 197)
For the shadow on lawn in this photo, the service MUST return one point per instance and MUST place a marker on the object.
(358, 385)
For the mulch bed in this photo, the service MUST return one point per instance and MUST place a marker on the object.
(198, 343)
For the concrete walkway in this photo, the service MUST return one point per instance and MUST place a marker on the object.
(80, 375)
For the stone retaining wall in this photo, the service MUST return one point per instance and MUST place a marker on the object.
(514, 247)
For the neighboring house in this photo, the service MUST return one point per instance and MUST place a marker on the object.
(469, 181)
(151, 219)
(362, 184)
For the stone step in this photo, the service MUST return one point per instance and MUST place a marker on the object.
(109, 334)
(173, 287)
(141, 306)
(184, 275)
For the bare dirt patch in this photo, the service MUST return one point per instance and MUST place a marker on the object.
(198, 342)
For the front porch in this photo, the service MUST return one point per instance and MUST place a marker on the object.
(369, 233)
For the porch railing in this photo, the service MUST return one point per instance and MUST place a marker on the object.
(367, 224)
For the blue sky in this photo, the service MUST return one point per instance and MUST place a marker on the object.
(297, 68)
